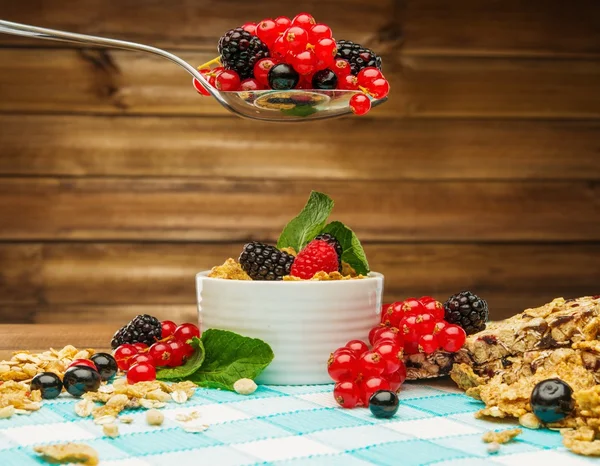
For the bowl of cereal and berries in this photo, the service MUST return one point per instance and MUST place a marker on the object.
(311, 290)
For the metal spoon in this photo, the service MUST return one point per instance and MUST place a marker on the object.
(268, 105)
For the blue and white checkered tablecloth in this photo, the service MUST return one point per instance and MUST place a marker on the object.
(295, 426)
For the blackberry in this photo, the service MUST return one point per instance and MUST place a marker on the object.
(330, 239)
(264, 262)
(358, 56)
(240, 50)
(142, 329)
(468, 311)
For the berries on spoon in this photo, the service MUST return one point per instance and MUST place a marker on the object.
(48, 383)
(384, 404)
(360, 104)
(81, 379)
(105, 364)
(325, 79)
(227, 81)
(283, 77)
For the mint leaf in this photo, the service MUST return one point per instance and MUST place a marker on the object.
(353, 252)
(230, 357)
(190, 366)
(308, 223)
(300, 110)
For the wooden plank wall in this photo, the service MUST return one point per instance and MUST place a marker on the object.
(118, 183)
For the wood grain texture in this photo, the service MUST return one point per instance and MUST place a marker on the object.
(533, 27)
(116, 82)
(112, 282)
(35, 145)
(219, 210)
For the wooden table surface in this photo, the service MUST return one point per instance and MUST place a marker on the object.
(40, 337)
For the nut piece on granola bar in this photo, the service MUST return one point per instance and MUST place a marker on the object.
(68, 453)
(501, 437)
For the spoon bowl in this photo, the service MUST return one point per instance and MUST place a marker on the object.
(267, 105)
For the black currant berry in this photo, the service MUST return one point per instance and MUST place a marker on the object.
(106, 365)
(551, 400)
(48, 383)
(283, 77)
(81, 379)
(383, 404)
(324, 79)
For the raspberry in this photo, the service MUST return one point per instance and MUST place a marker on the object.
(317, 256)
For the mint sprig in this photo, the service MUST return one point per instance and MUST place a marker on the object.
(308, 223)
(353, 252)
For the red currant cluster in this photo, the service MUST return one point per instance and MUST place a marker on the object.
(359, 371)
(302, 54)
(172, 350)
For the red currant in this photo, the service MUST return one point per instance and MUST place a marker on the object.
(178, 353)
(341, 67)
(227, 81)
(371, 364)
(391, 354)
(186, 332)
(436, 308)
(261, 70)
(393, 314)
(409, 329)
(373, 331)
(83, 362)
(439, 326)
(358, 347)
(123, 355)
(325, 50)
(141, 347)
(413, 306)
(425, 323)
(168, 328)
(372, 385)
(304, 20)
(350, 83)
(342, 366)
(360, 104)
(250, 27)
(378, 88)
(282, 23)
(366, 75)
(199, 87)
(142, 372)
(452, 338)
(346, 394)
(295, 39)
(341, 350)
(387, 333)
(428, 344)
(267, 31)
(411, 347)
(396, 379)
(161, 353)
(142, 358)
(426, 299)
(250, 84)
(319, 31)
(305, 62)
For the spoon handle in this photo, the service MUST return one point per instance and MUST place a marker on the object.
(25, 30)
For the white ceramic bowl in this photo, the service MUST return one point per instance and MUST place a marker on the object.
(303, 321)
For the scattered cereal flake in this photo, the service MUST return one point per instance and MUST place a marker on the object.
(108, 388)
(581, 441)
(504, 436)
(118, 400)
(195, 429)
(158, 395)
(110, 430)
(7, 412)
(23, 412)
(84, 408)
(230, 270)
(119, 382)
(179, 396)
(245, 386)
(68, 453)
(493, 448)
(102, 420)
(183, 417)
(4, 368)
(83, 354)
(154, 417)
(151, 404)
(530, 421)
(290, 251)
(32, 406)
(126, 419)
